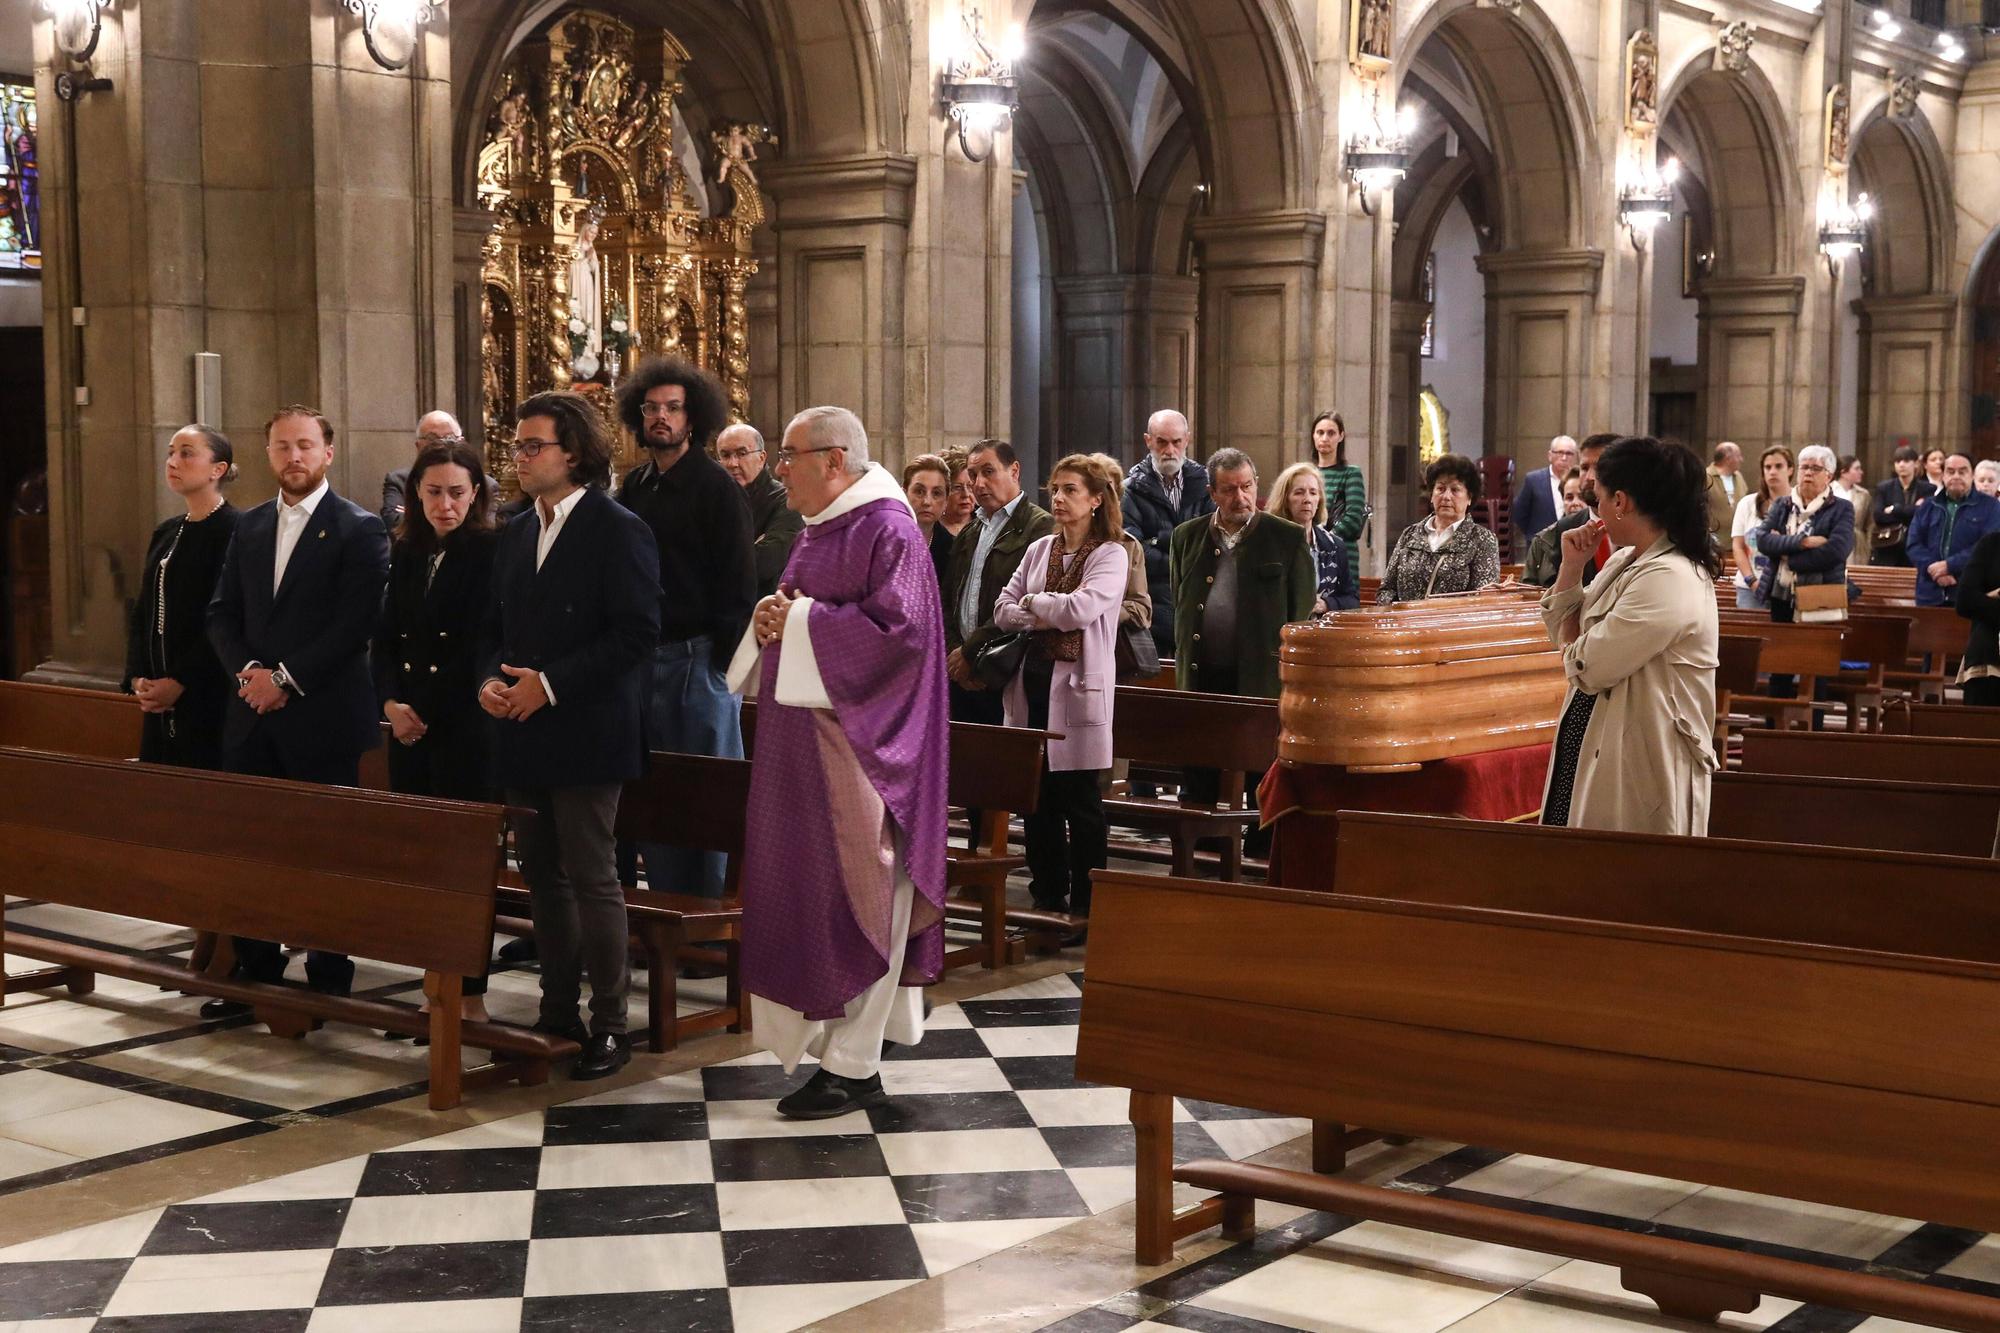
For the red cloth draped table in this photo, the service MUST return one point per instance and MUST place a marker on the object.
(1301, 801)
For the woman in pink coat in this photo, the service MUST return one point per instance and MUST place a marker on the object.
(1068, 592)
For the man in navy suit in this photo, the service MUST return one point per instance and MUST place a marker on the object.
(298, 597)
(1539, 502)
(571, 631)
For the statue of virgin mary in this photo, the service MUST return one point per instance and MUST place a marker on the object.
(586, 295)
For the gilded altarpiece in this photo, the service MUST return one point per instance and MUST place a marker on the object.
(582, 131)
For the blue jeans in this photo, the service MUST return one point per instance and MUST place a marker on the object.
(691, 711)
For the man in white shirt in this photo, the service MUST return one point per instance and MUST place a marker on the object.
(294, 607)
(984, 556)
(1726, 487)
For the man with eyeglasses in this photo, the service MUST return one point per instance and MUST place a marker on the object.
(774, 524)
(708, 583)
(434, 427)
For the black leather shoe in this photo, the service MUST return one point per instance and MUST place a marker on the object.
(573, 1030)
(520, 950)
(215, 1009)
(604, 1054)
(826, 1095)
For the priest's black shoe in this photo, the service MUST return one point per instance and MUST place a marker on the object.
(826, 1095)
(603, 1055)
(215, 1009)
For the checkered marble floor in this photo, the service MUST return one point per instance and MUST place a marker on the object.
(683, 1203)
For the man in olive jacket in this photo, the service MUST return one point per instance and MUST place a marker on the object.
(1239, 577)
(984, 556)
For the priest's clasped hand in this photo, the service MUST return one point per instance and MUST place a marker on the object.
(769, 617)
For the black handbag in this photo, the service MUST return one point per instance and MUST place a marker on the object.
(1137, 655)
(999, 659)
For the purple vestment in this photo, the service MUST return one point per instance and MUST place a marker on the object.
(833, 796)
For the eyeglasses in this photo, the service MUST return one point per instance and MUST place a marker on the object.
(785, 456)
(428, 440)
(653, 411)
(529, 448)
(1814, 467)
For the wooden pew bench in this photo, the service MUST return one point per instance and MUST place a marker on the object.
(1182, 729)
(1914, 719)
(684, 800)
(404, 880)
(1750, 1040)
(1882, 758)
(1808, 653)
(1831, 813)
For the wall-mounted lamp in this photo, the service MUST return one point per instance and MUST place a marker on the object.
(1647, 200)
(1950, 47)
(1885, 27)
(1843, 232)
(391, 27)
(977, 84)
(1379, 156)
(78, 24)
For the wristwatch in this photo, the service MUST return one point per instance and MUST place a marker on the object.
(283, 680)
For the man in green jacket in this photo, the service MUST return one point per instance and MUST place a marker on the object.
(1239, 577)
(984, 556)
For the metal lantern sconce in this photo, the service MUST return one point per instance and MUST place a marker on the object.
(1648, 200)
(1379, 157)
(392, 28)
(78, 25)
(978, 86)
(1844, 233)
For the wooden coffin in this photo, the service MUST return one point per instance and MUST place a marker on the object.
(1395, 686)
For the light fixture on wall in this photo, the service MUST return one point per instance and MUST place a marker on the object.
(977, 83)
(1843, 232)
(1379, 156)
(1647, 199)
(1885, 27)
(78, 24)
(391, 28)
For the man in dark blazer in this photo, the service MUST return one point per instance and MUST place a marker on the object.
(1544, 560)
(292, 615)
(1163, 490)
(984, 556)
(1239, 576)
(1539, 501)
(575, 616)
(775, 524)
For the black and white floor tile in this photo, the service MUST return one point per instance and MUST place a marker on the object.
(682, 1203)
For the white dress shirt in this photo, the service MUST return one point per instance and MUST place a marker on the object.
(552, 524)
(1438, 539)
(989, 532)
(292, 521)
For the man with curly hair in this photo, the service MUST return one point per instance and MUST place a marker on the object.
(708, 581)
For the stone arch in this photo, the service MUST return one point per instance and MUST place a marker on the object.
(1898, 162)
(1542, 144)
(1736, 124)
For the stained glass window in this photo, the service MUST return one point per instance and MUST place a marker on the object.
(20, 183)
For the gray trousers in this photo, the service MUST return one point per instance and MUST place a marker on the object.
(567, 857)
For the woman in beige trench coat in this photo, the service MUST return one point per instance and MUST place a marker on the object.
(1633, 750)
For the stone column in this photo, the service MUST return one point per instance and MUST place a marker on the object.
(469, 229)
(842, 227)
(1258, 293)
(1906, 346)
(262, 190)
(1749, 329)
(1397, 494)
(1539, 306)
(1124, 348)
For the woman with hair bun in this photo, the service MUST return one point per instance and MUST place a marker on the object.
(1634, 747)
(183, 689)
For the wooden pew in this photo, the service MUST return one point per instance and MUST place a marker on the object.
(1881, 758)
(407, 881)
(1751, 1040)
(1882, 644)
(1884, 583)
(1806, 652)
(1914, 719)
(1937, 634)
(1735, 674)
(96, 723)
(1829, 813)
(1184, 729)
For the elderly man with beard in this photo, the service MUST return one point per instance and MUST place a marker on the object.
(1163, 490)
(843, 898)
(708, 582)
(292, 616)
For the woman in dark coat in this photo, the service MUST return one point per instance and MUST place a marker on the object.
(1979, 601)
(426, 672)
(182, 689)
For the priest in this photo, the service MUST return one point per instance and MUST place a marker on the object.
(843, 869)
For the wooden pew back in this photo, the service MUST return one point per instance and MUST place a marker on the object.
(408, 881)
(1882, 758)
(1831, 813)
(1942, 720)
(1189, 729)
(1792, 650)
(97, 723)
(693, 801)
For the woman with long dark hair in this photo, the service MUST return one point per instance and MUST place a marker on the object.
(427, 672)
(183, 689)
(1634, 749)
(1345, 492)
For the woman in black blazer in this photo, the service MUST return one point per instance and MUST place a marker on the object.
(1979, 602)
(426, 651)
(169, 664)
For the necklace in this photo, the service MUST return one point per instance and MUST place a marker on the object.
(209, 513)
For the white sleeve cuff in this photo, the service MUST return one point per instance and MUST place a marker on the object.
(743, 674)
(799, 682)
(296, 687)
(547, 688)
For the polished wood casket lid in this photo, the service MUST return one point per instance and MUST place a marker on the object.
(1403, 684)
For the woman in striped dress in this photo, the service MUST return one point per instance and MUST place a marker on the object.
(1346, 494)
